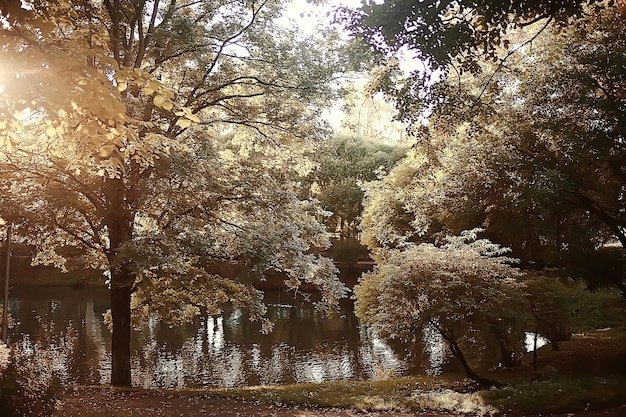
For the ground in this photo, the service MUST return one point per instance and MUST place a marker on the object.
(105, 402)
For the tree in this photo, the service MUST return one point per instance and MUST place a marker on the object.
(158, 138)
(569, 149)
(449, 37)
(534, 158)
(344, 164)
(460, 288)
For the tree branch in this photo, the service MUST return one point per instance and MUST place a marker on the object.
(506, 57)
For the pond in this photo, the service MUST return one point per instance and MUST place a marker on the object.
(306, 345)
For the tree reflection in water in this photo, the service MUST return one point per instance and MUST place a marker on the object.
(306, 345)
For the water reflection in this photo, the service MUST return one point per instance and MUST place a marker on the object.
(305, 346)
(530, 343)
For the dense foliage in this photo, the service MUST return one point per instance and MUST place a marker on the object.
(536, 158)
(29, 383)
(344, 164)
(459, 288)
(532, 152)
(450, 38)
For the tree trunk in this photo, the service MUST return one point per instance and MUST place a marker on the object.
(120, 339)
(119, 221)
(457, 353)
(506, 353)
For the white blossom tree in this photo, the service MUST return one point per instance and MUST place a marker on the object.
(461, 287)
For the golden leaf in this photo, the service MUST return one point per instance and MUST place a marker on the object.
(106, 150)
(158, 100)
(193, 118)
(51, 131)
(184, 123)
(168, 105)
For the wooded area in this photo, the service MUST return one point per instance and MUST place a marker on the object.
(164, 142)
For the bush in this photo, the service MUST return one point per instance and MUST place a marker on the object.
(449, 401)
(29, 386)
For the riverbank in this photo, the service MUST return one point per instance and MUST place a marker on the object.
(105, 402)
(586, 378)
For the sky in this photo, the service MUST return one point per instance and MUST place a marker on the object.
(307, 15)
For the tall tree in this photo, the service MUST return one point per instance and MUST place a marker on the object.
(158, 137)
(343, 165)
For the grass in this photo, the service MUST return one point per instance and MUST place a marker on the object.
(341, 394)
(560, 395)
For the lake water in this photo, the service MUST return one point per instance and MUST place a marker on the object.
(226, 351)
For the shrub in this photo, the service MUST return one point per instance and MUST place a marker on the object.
(29, 386)
(449, 401)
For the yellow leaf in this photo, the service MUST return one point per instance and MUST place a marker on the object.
(3, 125)
(12, 137)
(184, 123)
(147, 90)
(51, 131)
(168, 105)
(193, 118)
(158, 100)
(106, 150)
(122, 86)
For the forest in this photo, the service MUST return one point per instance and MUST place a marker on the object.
(454, 170)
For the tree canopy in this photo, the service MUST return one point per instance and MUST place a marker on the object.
(449, 37)
(458, 288)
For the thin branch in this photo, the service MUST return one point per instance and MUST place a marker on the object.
(503, 60)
